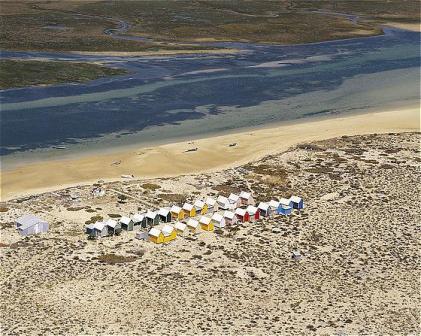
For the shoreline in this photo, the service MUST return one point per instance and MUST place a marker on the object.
(213, 154)
(155, 53)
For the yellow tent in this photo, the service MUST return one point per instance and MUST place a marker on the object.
(156, 236)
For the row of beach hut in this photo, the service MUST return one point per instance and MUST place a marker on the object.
(225, 211)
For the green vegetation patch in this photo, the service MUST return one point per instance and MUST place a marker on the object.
(18, 73)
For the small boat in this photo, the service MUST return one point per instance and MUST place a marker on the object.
(191, 150)
(233, 144)
(59, 147)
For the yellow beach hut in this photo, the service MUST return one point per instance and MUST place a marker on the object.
(181, 228)
(189, 210)
(206, 223)
(192, 224)
(156, 236)
(177, 213)
(200, 207)
(169, 233)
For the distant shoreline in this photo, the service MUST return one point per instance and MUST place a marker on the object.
(213, 153)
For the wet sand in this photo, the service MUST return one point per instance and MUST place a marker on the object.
(155, 53)
(212, 154)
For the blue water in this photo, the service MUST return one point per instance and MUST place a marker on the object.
(165, 97)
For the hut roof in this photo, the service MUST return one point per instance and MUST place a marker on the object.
(163, 212)
(175, 209)
(99, 226)
(137, 218)
(210, 201)
(167, 230)
(188, 206)
(217, 217)
(240, 211)
(154, 232)
(151, 214)
(222, 199)
(273, 204)
(192, 223)
(125, 220)
(229, 214)
(264, 206)
(180, 226)
(90, 226)
(27, 221)
(251, 209)
(245, 195)
(233, 198)
(295, 199)
(111, 223)
(199, 204)
(204, 220)
(284, 201)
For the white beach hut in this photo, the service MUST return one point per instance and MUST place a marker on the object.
(218, 220)
(246, 198)
(31, 224)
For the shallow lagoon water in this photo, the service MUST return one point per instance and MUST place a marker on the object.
(165, 98)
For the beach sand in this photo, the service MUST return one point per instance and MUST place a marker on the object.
(212, 153)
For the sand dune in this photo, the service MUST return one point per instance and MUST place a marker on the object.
(213, 153)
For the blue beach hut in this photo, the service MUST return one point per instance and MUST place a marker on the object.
(284, 210)
(297, 202)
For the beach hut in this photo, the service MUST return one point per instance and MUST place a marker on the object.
(297, 202)
(156, 236)
(246, 198)
(181, 228)
(253, 212)
(152, 218)
(96, 230)
(264, 209)
(192, 224)
(164, 215)
(189, 210)
(126, 223)
(206, 223)
(242, 215)
(30, 224)
(223, 203)
(234, 200)
(284, 210)
(285, 202)
(212, 204)
(177, 213)
(113, 227)
(230, 218)
(169, 233)
(273, 206)
(218, 220)
(139, 220)
(296, 255)
(142, 235)
(200, 207)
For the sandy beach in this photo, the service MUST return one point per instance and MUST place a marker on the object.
(212, 154)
